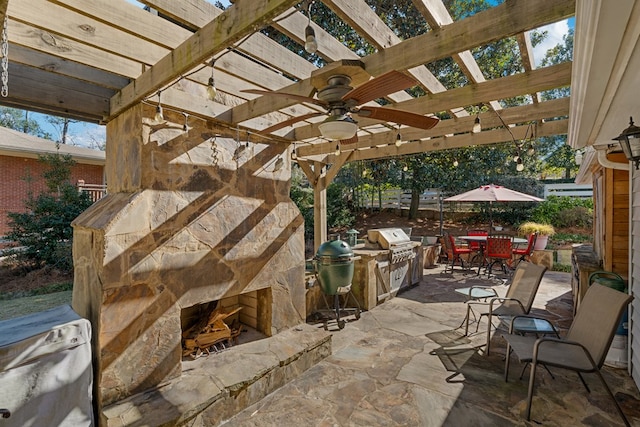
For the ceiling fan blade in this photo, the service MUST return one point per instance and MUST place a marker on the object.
(292, 96)
(398, 116)
(387, 83)
(289, 122)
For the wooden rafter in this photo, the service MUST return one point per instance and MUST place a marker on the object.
(211, 39)
(502, 21)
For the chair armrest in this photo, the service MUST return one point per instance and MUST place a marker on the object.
(502, 300)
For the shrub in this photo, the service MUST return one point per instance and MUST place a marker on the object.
(578, 216)
(549, 211)
(44, 231)
(530, 227)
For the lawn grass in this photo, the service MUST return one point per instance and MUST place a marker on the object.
(10, 308)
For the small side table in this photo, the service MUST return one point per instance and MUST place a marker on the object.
(477, 292)
(530, 325)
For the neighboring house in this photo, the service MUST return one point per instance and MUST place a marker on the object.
(21, 171)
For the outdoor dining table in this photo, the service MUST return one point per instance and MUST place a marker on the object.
(483, 242)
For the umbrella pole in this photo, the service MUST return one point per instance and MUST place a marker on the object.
(490, 216)
(441, 215)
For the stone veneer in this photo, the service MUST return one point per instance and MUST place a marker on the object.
(188, 219)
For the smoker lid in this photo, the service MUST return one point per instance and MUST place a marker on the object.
(334, 249)
(388, 237)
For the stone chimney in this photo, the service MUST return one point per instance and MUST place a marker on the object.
(190, 217)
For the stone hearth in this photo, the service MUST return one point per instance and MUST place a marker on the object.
(190, 217)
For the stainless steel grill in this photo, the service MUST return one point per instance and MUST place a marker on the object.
(396, 270)
(395, 240)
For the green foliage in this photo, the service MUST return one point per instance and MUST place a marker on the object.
(338, 212)
(44, 231)
(302, 195)
(551, 211)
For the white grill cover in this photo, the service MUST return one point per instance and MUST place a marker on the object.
(387, 238)
(45, 369)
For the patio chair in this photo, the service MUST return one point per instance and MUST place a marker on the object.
(518, 300)
(474, 244)
(498, 251)
(455, 253)
(585, 346)
(524, 254)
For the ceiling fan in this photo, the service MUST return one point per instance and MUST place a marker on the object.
(341, 101)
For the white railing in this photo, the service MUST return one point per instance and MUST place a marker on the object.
(96, 191)
(399, 199)
(569, 190)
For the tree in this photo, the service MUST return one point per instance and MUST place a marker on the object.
(62, 126)
(19, 120)
(44, 231)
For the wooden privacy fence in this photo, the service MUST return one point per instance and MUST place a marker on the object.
(569, 190)
(398, 199)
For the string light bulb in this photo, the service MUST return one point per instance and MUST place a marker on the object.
(159, 117)
(477, 127)
(211, 85)
(278, 164)
(530, 149)
(310, 42)
(519, 165)
(405, 168)
(337, 153)
(185, 126)
(398, 140)
(455, 163)
(294, 154)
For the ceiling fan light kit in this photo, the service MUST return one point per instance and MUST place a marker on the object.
(338, 127)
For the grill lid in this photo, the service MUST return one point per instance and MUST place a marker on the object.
(334, 249)
(388, 238)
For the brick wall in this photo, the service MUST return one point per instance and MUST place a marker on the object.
(19, 175)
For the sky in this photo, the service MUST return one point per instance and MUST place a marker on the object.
(87, 134)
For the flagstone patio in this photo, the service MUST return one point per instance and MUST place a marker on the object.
(406, 362)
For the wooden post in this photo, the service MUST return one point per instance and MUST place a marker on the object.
(320, 178)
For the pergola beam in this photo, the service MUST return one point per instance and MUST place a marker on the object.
(230, 26)
(502, 21)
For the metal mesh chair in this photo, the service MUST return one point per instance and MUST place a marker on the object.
(585, 346)
(456, 253)
(498, 251)
(518, 300)
(524, 254)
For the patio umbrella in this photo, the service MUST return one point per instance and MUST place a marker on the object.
(492, 193)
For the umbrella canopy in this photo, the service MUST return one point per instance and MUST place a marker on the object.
(493, 193)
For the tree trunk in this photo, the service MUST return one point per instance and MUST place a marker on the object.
(415, 204)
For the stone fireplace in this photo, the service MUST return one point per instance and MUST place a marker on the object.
(190, 217)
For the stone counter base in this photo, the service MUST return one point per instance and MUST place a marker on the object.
(214, 388)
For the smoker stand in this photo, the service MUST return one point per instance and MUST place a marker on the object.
(338, 311)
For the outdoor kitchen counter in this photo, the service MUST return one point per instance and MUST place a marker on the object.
(377, 278)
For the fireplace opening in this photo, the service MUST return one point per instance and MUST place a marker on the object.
(214, 326)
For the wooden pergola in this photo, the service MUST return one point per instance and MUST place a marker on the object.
(91, 60)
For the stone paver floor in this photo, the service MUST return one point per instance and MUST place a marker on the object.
(406, 363)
